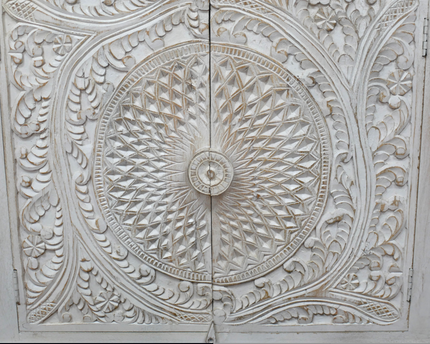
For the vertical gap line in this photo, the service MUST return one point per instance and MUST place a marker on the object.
(210, 147)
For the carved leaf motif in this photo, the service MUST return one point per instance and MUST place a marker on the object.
(304, 315)
(379, 267)
(103, 8)
(108, 305)
(312, 109)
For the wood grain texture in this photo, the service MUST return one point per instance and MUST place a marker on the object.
(254, 168)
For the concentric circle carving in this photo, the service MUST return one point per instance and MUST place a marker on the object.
(263, 152)
(210, 173)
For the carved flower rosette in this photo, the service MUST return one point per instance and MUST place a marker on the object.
(247, 169)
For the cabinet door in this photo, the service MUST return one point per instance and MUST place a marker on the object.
(109, 103)
(237, 166)
(316, 104)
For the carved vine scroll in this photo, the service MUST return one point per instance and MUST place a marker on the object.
(251, 167)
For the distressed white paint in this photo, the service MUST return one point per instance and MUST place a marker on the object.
(274, 82)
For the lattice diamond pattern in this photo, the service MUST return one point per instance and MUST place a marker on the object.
(147, 144)
(261, 125)
(264, 129)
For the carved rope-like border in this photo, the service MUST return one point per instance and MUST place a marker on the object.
(187, 49)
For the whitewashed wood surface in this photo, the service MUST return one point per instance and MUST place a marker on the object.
(235, 170)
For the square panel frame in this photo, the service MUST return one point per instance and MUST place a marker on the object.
(419, 315)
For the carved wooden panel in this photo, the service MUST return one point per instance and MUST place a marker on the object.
(242, 163)
(313, 100)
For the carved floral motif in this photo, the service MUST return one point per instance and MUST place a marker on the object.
(33, 246)
(309, 102)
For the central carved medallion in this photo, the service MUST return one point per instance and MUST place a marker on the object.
(267, 165)
(210, 173)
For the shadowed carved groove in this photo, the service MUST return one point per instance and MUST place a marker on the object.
(279, 199)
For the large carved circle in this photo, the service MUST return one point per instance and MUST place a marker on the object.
(263, 157)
